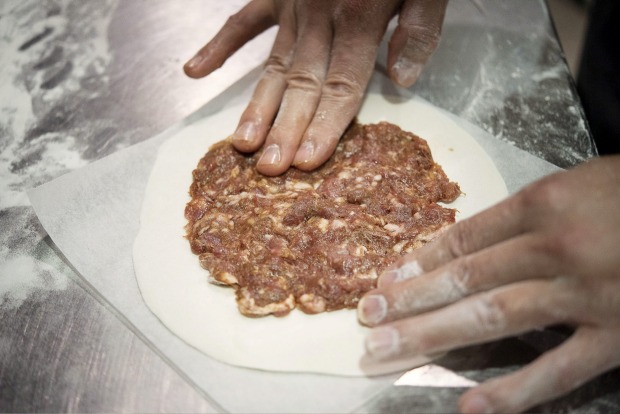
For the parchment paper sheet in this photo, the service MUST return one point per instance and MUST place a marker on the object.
(93, 217)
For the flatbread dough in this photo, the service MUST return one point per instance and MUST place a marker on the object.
(176, 288)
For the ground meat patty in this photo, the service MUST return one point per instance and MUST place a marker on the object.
(316, 240)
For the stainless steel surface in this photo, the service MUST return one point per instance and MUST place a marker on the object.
(82, 79)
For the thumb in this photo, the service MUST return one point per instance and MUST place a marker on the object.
(415, 39)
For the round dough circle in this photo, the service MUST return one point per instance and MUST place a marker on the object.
(176, 288)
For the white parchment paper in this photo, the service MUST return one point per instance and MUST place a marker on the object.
(92, 215)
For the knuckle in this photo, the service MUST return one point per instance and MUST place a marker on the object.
(557, 250)
(304, 80)
(542, 197)
(461, 276)
(489, 313)
(458, 241)
(424, 39)
(544, 206)
(343, 86)
(276, 65)
(558, 247)
(236, 21)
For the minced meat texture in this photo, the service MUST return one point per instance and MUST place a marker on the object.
(316, 240)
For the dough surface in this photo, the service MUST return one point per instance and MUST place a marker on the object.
(178, 292)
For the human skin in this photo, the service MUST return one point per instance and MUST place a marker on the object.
(318, 70)
(548, 255)
(545, 256)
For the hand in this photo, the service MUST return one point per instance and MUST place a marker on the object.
(548, 255)
(320, 64)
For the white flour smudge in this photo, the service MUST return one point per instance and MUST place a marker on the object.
(22, 276)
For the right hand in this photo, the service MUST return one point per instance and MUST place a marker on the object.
(548, 255)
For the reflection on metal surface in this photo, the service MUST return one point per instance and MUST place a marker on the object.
(432, 375)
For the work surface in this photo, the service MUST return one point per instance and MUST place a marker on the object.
(81, 80)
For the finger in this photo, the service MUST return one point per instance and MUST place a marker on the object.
(480, 318)
(509, 262)
(303, 91)
(588, 353)
(257, 118)
(415, 39)
(494, 225)
(256, 17)
(352, 63)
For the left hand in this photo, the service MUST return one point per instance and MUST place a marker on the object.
(320, 64)
(548, 255)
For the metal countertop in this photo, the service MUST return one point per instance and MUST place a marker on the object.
(83, 79)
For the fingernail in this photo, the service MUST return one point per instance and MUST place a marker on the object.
(477, 404)
(390, 276)
(406, 72)
(304, 153)
(246, 132)
(406, 271)
(194, 62)
(383, 342)
(372, 309)
(271, 155)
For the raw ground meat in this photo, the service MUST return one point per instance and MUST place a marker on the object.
(316, 240)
